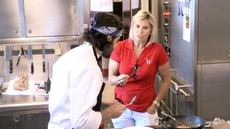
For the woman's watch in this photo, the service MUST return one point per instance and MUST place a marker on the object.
(156, 103)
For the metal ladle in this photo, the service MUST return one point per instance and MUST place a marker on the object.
(131, 102)
(165, 114)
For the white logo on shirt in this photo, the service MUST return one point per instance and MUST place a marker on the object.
(148, 61)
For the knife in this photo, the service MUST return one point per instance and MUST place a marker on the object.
(43, 59)
(8, 57)
(19, 56)
(30, 58)
(11, 60)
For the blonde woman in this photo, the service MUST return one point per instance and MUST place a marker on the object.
(132, 68)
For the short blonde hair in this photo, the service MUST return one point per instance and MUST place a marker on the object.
(141, 15)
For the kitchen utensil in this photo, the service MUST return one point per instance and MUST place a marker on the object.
(48, 82)
(8, 56)
(24, 52)
(30, 58)
(19, 56)
(11, 60)
(189, 121)
(163, 113)
(43, 59)
(131, 102)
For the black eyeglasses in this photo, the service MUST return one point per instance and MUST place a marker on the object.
(135, 69)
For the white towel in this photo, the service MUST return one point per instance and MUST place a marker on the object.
(12, 91)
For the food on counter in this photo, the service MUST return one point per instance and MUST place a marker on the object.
(22, 83)
(182, 127)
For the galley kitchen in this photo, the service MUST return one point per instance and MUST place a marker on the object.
(194, 33)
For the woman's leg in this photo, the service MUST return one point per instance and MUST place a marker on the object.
(125, 120)
(145, 119)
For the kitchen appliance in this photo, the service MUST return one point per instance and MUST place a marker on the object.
(195, 34)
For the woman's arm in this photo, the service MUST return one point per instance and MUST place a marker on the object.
(114, 77)
(113, 72)
(164, 72)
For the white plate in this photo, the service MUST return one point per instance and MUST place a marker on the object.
(137, 127)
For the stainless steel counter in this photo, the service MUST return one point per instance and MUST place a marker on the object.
(23, 102)
(24, 111)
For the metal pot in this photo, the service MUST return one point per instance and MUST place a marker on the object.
(191, 122)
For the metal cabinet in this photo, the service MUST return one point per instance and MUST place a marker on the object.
(27, 120)
(51, 17)
(213, 93)
(42, 20)
(9, 19)
(213, 31)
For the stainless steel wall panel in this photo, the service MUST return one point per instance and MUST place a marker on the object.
(24, 66)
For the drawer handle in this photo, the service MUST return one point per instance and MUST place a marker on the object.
(29, 117)
(16, 118)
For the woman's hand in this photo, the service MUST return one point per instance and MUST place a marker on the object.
(122, 79)
(152, 109)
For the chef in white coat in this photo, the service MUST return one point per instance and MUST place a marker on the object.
(77, 78)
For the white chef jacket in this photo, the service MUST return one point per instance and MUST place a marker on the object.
(76, 82)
